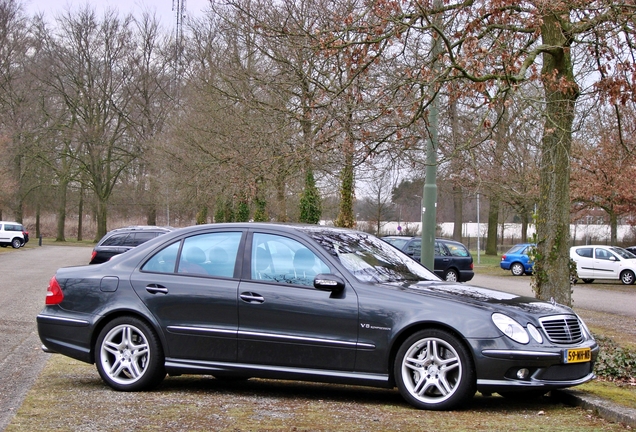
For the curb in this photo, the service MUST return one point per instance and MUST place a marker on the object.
(602, 407)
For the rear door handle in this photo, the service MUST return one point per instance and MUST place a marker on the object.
(156, 289)
(250, 297)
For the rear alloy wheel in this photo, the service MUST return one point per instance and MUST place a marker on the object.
(129, 356)
(16, 243)
(517, 269)
(451, 276)
(627, 277)
(433, 370)
(588, 280)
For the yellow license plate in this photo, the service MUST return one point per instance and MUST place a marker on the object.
(578, 355)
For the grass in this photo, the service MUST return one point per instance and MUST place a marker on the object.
(69, 395)
(620, 393)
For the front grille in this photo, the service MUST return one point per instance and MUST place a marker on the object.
(562, 329)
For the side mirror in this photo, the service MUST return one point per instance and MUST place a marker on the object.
(329, 282)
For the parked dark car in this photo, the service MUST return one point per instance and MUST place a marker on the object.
(453, 261)
(121, 240)
(307, 303)
(518, 259)
(632, 249)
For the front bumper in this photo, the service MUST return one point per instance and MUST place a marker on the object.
(519, 369)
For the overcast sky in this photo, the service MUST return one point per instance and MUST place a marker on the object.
(163, 8)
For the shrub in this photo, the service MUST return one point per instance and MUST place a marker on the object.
(614, 363)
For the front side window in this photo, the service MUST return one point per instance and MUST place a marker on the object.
(282, 259)
(140, 237)
(603, 254)
(370, 259)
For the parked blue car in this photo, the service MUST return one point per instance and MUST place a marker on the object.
(518, 260)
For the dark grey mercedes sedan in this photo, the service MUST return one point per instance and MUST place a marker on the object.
(307, 303)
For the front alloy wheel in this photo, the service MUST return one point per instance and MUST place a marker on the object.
(129, 356)
(517, 269)
(433, 370)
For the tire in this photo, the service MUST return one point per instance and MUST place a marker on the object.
(451, 276)
(627, 277)
(16, 243)
(434, 371)
(588, 280)
(517, 269)
(128, 355)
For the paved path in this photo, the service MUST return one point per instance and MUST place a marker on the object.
(25, 276)
(585, 296)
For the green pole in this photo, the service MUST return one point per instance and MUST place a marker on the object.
(429, 195)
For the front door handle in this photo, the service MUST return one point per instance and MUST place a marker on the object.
(156, 289)
(250, 297)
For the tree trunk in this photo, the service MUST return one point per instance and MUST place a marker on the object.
(493, 218)
(61, 209)
(553, 224)
(458, 205)
(102, 215)
(80, 217)
(613, 228)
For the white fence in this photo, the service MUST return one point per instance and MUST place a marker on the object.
(578, 232)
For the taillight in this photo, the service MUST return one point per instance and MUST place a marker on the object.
(472, 265)
(93, 255)
(54, 293)
(503, 257)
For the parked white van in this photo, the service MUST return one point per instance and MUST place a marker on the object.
(604, 262)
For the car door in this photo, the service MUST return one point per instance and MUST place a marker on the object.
(584, 258)
(606, 264)
(442, 259)
(190, 286)
(283, 320)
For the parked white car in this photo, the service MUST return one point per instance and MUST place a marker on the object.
(604, 262)
(11, 234)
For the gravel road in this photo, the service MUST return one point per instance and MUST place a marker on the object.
(620, 301)
(25, 276)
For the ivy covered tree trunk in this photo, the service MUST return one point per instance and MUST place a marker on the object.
(552, 279)
(310, 208)
(346, 218)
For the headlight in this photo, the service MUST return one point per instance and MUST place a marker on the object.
(511, 328)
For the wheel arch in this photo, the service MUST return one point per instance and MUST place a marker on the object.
(409, 331)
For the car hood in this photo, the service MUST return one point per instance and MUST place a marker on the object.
(487, 298)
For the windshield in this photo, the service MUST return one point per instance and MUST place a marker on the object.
(623, 253)
(370, 259)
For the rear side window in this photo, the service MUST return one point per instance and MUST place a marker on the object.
(584, 252)
(212, 254)
(116, 240)
(457, 250)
